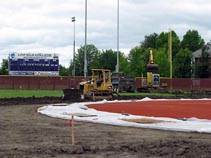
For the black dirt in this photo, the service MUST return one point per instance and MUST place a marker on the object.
(24, 133)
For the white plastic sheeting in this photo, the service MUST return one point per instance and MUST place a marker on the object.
(85, 114)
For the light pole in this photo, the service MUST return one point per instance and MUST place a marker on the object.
(117, 65)
(170, 57)
(85, 51)
(73, 20)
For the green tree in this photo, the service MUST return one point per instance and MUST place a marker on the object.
(176, 44)
(182, 64)
(124, 64)
(163, 42)
(203, 67)
(63, 71)
(92, 59)
(70, 68)
(150, 41)
(192, 40)
(108, 59)
(162, 59)
(4, 67)
(138, 59)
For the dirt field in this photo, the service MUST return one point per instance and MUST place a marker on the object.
(26, 134)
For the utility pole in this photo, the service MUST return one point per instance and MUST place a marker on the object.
(170, 57)
(73, 20)
(85, 50)
(117, 65)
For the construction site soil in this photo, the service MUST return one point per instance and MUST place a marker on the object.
(24, 133)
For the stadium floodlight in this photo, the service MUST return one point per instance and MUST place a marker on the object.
(117, 65)
(73, 20)
(85, 50)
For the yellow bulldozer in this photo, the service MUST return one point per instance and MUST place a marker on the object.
(98, 87)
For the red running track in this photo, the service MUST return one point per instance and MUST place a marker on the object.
(160, 108)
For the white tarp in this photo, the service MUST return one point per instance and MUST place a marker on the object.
(85, 114)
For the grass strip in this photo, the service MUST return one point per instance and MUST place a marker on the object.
(146, 94)
(10, 93)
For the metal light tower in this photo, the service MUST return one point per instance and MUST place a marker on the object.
(170, 56)
(85, 51)
(73, 20)
(117, 65)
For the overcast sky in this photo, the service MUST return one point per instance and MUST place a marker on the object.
(45, 25)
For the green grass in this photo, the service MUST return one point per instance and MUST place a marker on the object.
(10, 93)
(146, 94)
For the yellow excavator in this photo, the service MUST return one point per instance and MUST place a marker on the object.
(152, 81)
(98, 87)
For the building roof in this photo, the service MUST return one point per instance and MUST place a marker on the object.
(197, 54)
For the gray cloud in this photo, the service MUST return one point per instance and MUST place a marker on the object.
(46, 26)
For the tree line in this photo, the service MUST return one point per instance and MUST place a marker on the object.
(134, 64)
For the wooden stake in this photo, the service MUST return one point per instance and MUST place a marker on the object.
(72, 131)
